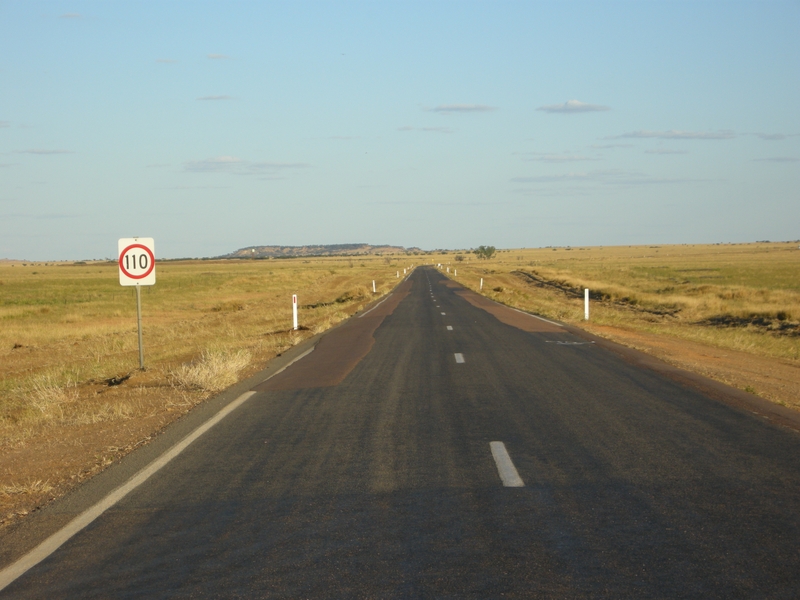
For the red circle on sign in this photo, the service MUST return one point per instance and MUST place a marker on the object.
(152, 261)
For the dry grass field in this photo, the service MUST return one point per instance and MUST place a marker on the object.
(72, 398)
(729, 311)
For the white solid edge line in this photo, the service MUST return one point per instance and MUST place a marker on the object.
(374, 307)
(534, 316)
(289, 364)
(505, 467)
(15, 570)
(459, 357)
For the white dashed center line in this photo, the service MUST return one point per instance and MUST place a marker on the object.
(459, 357)
(443, 313)
(449, 328)
(505, 467)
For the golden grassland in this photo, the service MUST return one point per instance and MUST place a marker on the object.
(72, 398)
(676, 300)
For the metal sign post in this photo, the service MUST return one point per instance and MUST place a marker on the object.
(137, 267)
(139, 325)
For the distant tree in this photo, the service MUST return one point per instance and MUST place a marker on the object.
(459, 258)
(485, 252)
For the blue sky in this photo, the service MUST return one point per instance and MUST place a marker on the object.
(212, 126)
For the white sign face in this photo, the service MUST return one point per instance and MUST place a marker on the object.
(137, 261)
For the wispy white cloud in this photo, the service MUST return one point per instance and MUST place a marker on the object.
(275, 166)
(675, 134)
(778, 159)
(43, 151)
(428, 129)
(462, 108)
(554, 192)
(215, 98)
(196, 187)
(458, 203)
(4, 124)
(771, 137)
(213, 165)
(236, 165)
(573, 107)
(594, 176)
(218, 56)
(42, 216)
(70, 16)
(610, 146)
(612, 177)
(665, 151)
(555, 158)
(166, 60)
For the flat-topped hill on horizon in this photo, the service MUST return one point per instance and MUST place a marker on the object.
(316, 250)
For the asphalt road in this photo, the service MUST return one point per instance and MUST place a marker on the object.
(365, 470)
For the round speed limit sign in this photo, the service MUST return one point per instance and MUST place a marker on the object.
(137, 261)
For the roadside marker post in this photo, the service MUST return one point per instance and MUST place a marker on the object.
(481, 288)
(374, 291)
(398, 275)
(137, 267)
(586, 304)
(294, 310)
(455, 272)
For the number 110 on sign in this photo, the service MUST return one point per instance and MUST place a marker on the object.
(137, 261)
(131, 264)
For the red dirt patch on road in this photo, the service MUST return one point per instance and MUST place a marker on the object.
(507, 315)
(339, 351)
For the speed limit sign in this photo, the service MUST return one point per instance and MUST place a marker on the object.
(137, 261)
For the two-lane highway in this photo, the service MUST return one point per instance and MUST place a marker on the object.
(381, 465)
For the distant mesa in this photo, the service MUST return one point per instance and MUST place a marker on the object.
(316, 250)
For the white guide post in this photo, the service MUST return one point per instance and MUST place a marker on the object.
(455, 272)
(586, 304)
(481, 288)
(294, 310)
(398, 275)
(373, 287)
(448, 269)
